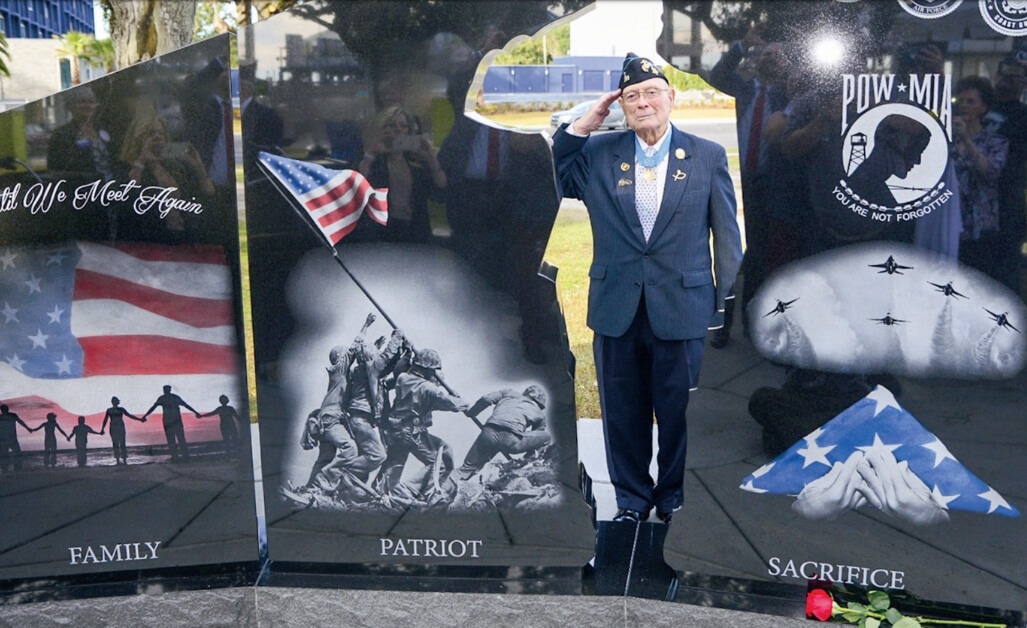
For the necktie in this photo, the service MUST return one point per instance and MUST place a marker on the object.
(646, 203)
(752, 153)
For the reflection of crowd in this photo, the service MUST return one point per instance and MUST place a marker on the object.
(152, 160)
(403, 160)
(791, 147)
(980, 154)
(798, 127)
(167, 135)
(377, 413)
(79, 146)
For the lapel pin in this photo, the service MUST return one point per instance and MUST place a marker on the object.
(623, 183)
(680, 153)
(624, 167)
(678, 176)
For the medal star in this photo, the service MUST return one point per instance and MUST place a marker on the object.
(8, 258)
(995, 500)
(63, 365)
(940, 499)
(814, 453)
(10, 314)
(879, 447)
(883, 399)
(55, 316)
(15, 362)
(33, 284)
(39, 340)
(940, 452)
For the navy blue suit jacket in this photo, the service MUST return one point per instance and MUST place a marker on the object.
(724, 77)
(674, 266)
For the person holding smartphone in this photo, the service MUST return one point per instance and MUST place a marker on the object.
(404, 161)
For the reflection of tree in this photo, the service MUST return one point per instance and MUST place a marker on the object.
(532, 52)
(794, 21)
(389, 36)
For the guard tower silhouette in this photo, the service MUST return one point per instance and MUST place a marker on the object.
(857, 150)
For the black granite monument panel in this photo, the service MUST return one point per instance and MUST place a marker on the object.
(447, 432)
(125, 447)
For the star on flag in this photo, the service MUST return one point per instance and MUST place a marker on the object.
(877, 423)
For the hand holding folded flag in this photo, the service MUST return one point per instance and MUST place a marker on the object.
(332, 198)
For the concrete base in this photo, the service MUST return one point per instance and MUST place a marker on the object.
(271, 606)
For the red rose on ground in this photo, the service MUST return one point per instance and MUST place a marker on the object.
(819, 604)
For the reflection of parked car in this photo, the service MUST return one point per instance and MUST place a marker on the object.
(613, 121)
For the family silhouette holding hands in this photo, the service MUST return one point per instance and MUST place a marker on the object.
(115, 415)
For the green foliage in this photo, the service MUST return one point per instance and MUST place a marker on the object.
(893, 615)
(530, 52)
(213, 18)
(682, 81)
(100, 52)
(74, 45)
(878, 600)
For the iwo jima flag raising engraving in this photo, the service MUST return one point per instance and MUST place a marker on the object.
(333, 200)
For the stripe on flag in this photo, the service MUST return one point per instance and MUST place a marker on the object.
(332, 198)
(82, 322)
(86, 309)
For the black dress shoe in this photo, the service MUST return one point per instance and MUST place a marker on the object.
(632, 516)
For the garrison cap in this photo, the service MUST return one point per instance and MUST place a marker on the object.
(637, 69)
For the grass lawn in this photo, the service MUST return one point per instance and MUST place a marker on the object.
(247, 315)
(570, 250)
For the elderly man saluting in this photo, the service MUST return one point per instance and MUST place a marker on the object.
(654, 195)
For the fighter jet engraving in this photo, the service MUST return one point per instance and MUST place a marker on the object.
(890, 266)
(888, 320)
(780, 307)
(948, 290)
(1001, 320)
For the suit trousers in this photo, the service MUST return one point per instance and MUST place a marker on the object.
(639, 376)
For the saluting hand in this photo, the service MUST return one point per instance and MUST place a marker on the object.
(596, 114)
